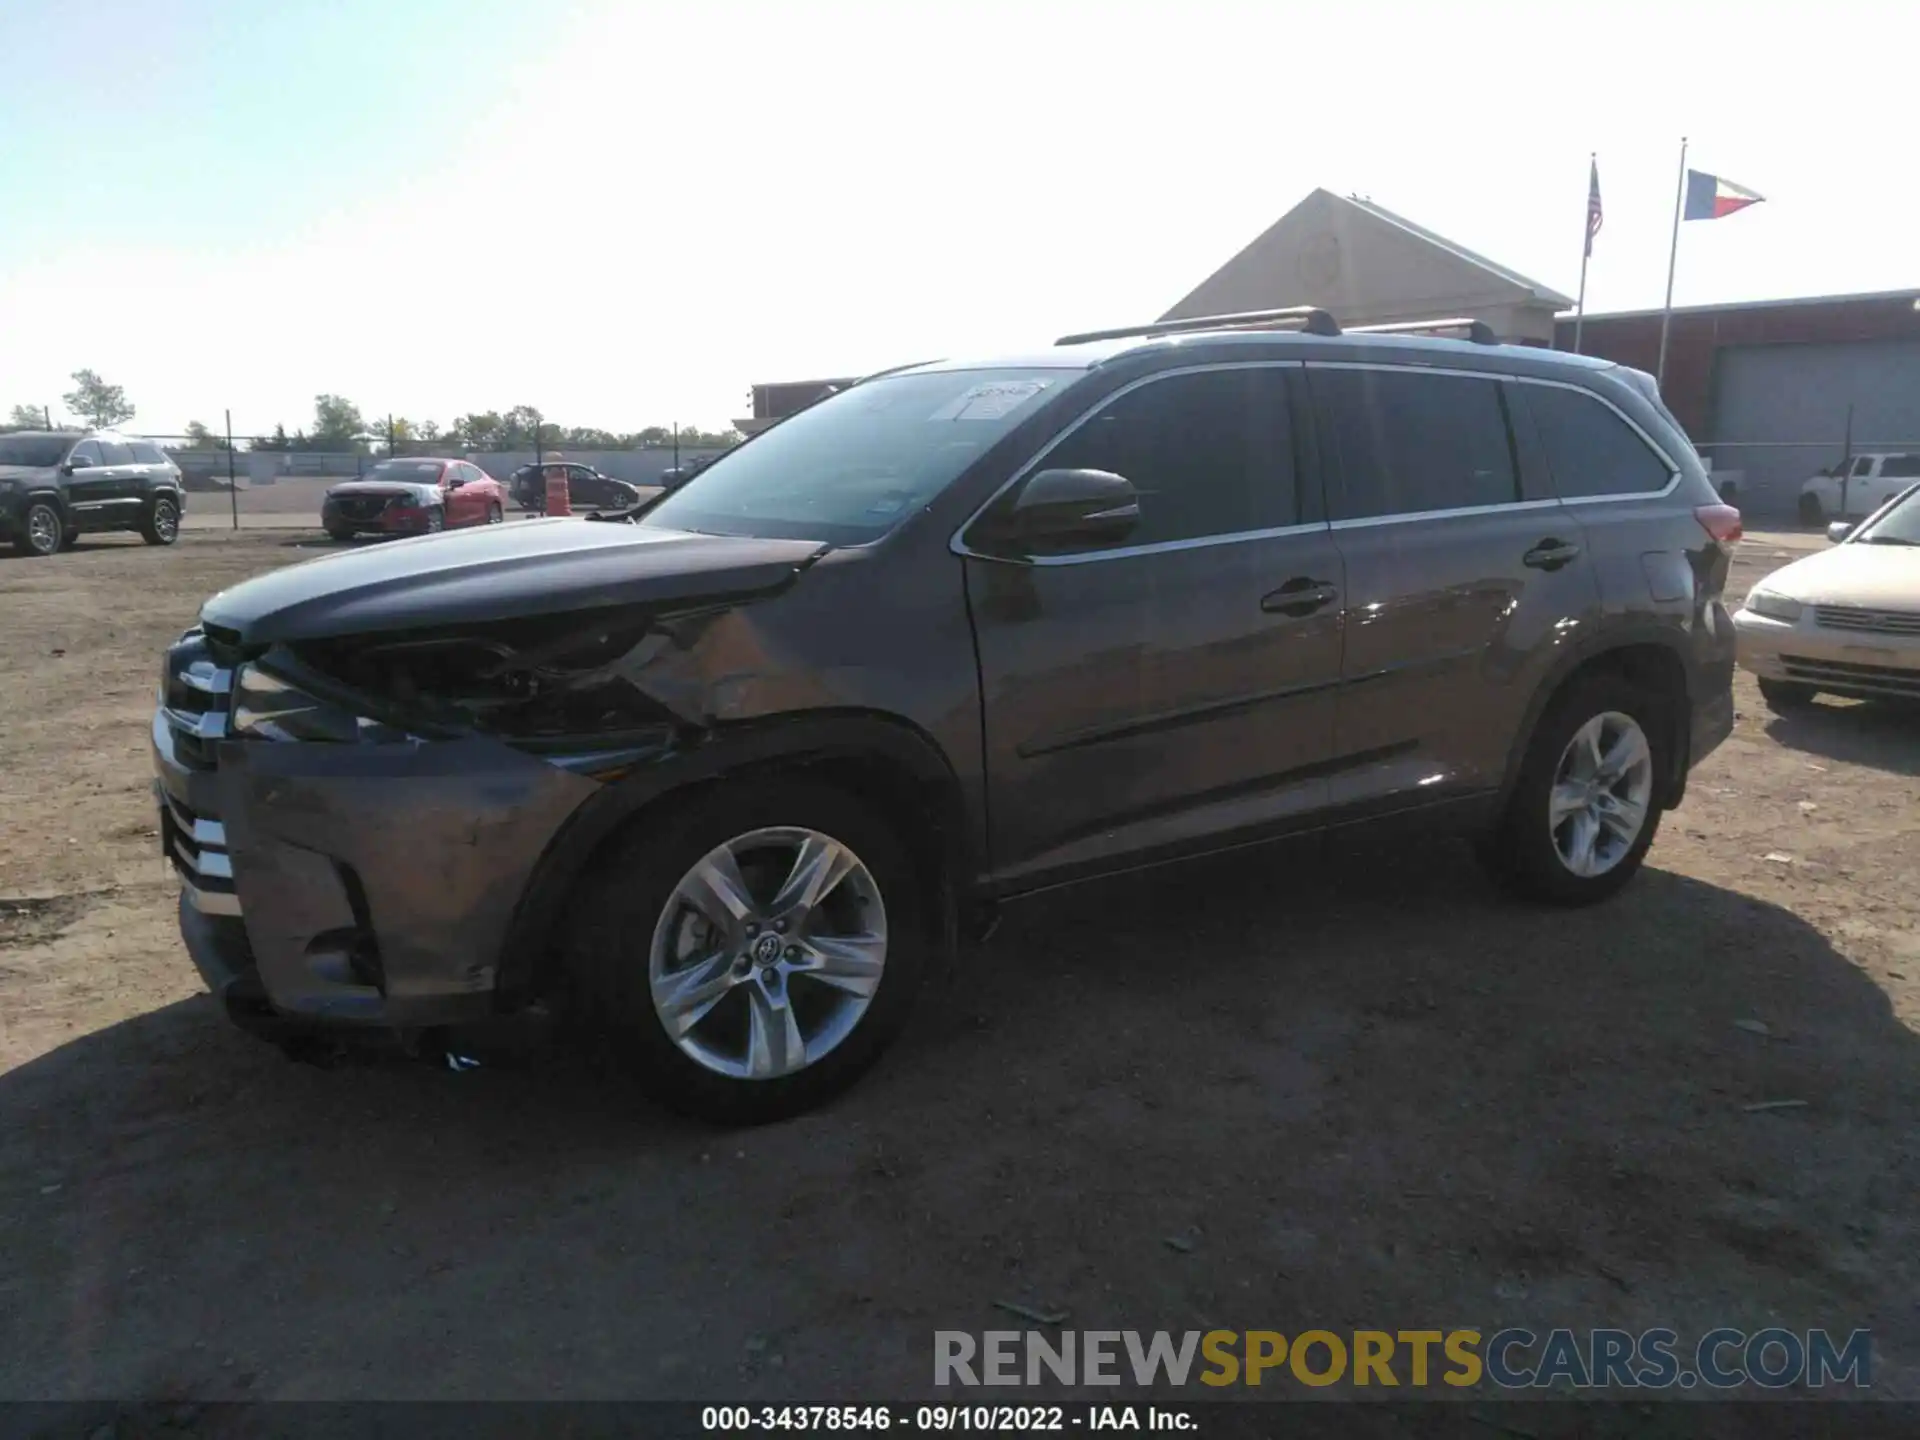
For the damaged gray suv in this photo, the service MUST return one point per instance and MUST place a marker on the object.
(718, 777)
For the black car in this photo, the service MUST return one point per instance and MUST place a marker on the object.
(587, 488)
(57, 485)
(718, 778)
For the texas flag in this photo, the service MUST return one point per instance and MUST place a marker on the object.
(1709, 197)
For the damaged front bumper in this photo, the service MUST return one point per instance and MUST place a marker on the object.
(365, 886)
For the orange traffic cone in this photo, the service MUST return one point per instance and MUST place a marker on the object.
(557, 501)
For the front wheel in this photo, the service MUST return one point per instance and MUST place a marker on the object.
(41, 531)
(752, 955)
(495, 515)
(1812, 512)
(1785, 697)
(1585, 808)
(162, 525)
(436, 520)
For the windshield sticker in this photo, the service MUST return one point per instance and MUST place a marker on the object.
(992, 401)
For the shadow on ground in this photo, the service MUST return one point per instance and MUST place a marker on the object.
(1883, 734)
(1351, 1092)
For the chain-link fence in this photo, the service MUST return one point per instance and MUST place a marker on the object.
(267, 481)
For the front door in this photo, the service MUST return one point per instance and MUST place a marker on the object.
(1174, 689)
(90, 487)
(1464, 574)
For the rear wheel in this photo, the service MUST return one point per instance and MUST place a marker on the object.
(752, 957)
(495, 515)
(1585, 808)
(1784, 697)
(41, 531)
(1812, 512)
(436, 520)
(162, 525)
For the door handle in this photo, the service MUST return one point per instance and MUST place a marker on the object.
(1550, 555)
(1300, 596)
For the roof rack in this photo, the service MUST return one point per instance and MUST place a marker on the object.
(1310, 318)
(1478, 331)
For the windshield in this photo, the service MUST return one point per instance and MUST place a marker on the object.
(412, 472)
(850, 468)
(40, 450)
(1899, 526)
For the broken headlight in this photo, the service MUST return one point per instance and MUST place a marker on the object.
(265, 707)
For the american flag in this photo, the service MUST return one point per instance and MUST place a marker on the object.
(1594, 214)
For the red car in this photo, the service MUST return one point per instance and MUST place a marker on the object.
(412, 497)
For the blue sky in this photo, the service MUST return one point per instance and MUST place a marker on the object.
(625, 213)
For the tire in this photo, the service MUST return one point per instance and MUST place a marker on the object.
(495, 515)
(436, 520)
(1524, 853)
(162, 523)
(1784, 697)
(1812, 512)
(41, 531)
(630, 921)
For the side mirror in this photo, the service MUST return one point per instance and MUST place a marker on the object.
(1838, 531)
(67, 467)
(1059, 507)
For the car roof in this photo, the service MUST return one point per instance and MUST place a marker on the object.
(1092, 354)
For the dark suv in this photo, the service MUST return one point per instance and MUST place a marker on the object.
(587, 488)
(57, 485)
(717, 780)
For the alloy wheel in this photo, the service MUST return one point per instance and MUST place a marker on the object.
(1602, 794)
(768, 953)
(166, 521)
(43, 529)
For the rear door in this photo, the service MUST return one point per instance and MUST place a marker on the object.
(1173, 690)
(1463, 577)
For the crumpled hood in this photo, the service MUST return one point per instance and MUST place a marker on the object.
(375, 487)
(1882, 577)
(494, 572)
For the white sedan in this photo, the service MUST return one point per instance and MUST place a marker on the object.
(1845, 621)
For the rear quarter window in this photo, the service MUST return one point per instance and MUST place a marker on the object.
(146, 454)
(1590, 449)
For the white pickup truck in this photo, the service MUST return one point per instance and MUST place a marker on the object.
(1870, 481)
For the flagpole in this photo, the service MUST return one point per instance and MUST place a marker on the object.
(1586, 254)
(1673, 255)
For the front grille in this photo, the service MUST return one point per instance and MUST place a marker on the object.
(199, 693)
(1853, 678)
(1878, 622)
(362, 507)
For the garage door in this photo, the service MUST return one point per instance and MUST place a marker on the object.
(1799, 394)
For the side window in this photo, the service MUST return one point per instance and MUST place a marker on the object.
(112, 452)
(1862, 466)
(1590, 449)
(1901, 467)
(145, 453)
(1210, 453)
(85, 455)
(1404, 442)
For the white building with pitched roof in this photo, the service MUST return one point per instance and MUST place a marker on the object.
(1370, 266)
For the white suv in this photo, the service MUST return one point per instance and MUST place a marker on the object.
(1869, 481)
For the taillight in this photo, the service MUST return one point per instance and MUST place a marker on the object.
(1722, 522)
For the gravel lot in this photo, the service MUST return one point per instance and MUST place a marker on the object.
(1361, 1090)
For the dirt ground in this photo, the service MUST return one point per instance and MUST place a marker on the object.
(1360, 1090)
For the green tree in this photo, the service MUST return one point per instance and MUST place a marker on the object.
(337, 423)
(276, 441)
(199, 437)
(101, 405)
(26, 417)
